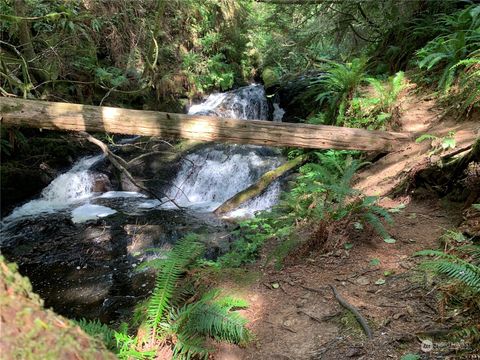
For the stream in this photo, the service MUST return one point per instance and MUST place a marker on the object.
(80, 241)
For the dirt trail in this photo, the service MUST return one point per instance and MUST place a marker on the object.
(301, 319)
(420, 116)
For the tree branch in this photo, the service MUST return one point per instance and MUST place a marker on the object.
(121, 165)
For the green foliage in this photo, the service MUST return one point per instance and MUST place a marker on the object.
(467, 92)
(454, 267)
(183, 254)
(123, 50)
(439, 144)
(374, 111)
(322, 192)
(458, 274)
(443, 57)
(187, 326)
(98, 330)
(249, 237)
(211, 316)
(410, 357)
(334, 89)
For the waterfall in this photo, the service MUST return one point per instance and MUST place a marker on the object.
(69, 188)
(247, 102)
(206, 178)
(210, 176)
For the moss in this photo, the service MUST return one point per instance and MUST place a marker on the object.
(31, 332)
(350, 325)
(7, 108)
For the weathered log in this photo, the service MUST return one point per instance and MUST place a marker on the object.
(65, 116)
(257, 188)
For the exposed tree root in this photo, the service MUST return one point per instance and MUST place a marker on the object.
(361, 320)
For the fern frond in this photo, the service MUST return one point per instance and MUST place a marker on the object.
(453, 267)
(98, 330)
(231, 302)
(470, 333)
(218, 322)
(190, 346)
(375, 222)
(465, 272)
(213, 316)
(182, 255)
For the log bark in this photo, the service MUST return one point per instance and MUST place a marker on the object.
(257, 188)
(76, 117)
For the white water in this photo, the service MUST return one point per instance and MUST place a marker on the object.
(206, 179)
(214, 174)
(90, 212)
(248, 102)
(67, 189)
(73, 190)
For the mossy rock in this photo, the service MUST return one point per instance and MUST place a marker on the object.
(31, 332)
(270, 77)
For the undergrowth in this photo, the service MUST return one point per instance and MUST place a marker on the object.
(451, 60)
(457, 273)
(321, 198)
(177, 318)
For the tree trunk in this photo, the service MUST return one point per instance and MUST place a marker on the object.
(64, 116)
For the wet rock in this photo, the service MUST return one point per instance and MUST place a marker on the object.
(101, 183)
(89, 269)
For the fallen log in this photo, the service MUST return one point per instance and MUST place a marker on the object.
(76, 117)
(257, 188)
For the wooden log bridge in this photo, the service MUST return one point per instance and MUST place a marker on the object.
(65, 116)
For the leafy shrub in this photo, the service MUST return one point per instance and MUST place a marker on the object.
(322, 196)
(467, 92)
(375, 111)
(250, 236)
(190, 324)
(458, 276)
(467, 272)
(443, 56)
(337, 86)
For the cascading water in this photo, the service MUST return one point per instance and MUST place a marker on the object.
(206, 179)
(69, 188)
(212, 175)
(247, 102)
(85, 269)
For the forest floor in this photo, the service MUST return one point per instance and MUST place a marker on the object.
(293, 313)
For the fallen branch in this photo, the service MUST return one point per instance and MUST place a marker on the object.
(257, 188)
(361, 320)
(121, 165)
